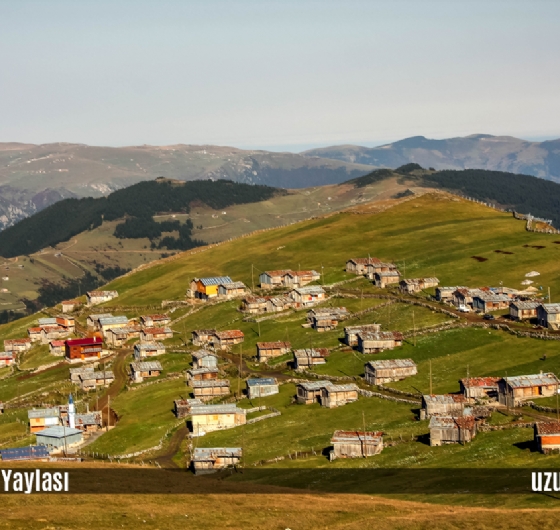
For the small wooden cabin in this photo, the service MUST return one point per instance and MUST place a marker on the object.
(155, 334)
(309, 357)
(210, 388)
(231, 290)
(261, 387)
(523, 310)
(148, 349)
(141, 370)
(222, 340)
(374, 342)
(548, 316)
(213, 459)
(202, 374)
(207, 288)
(17, 345)
(355, 444)
(254, 304)
(547, 436)
(443, 404)
(491, 302)
(382, 279)
(308, 296)
(359, 265)
(99, 297)
(514, 390)
(333, 396)
(269, 350)
(208, 418)
(445, 294)
(202, 337)
(204, 359)
(414, 285)
(272, 279)
(387, 370)
(351, 332)
(182, 407)
(450, 430)
(480, 387)
(155, 321)
(275, 304)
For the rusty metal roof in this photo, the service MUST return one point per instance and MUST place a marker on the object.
(450, 422)
(480, 381)
(444, 399)
(273, 345)
(229, 334)
(357, 437)
(200, 354)
(526, 381)
(157, 331)
(549, 427)
(392, 363)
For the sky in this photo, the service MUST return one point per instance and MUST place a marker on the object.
(279, 75)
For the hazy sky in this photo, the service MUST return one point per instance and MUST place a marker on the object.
(286, 74)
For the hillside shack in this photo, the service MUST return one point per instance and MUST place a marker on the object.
(355, 444)
(376, 266)
(34, 334)
(463, 296)
(309, 357)
(443, 404)
(212, 459)
(309, 392)
(232, 290)
(210, 388)
(208, 418)
(207, 288)
(491, 302)
(140, 370)
(155, 321)
(57, 347)
(81, 350)
(445, 294)
(40, 419)
(374, 342)
(7, 358)
(548, 316)
(222, 340)
(326, 393)
(269, 350)
(117, 337)
(514, 390)
(254, 304)
(202, 374)
(547, 436)
(92, 380)
(414, 285)
(202, 337)
(479, 387)
(358, 266)
(148, 349)
(182, 407)
(155, 334)
(523, 310)
(387, 370)
(99, 297)
(261, 387)
(17, 345)
(275, 304)
(92, 321)
(76, 372)
(450, 430)
(89, 422)
(204, 359)
(58, 438)
(299, 278)
(69, 305)
(308, 296)
(327, 319)
(382, 279)
(49, 333)
(272, 279)
(106, 323)
(351, 332)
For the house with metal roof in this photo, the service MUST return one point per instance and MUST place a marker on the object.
(182, 407)
(99, 297)
(523, 310)
(76, 372)
(206, 288)
(355, 444)
(384, 278)
(276, 304)
(380, 267)
(209, 388)
(92, 320)
(212, 459)
(270, 350)
(514, 390)
(204, 373)
(47, 322)
(89, 422)
(202, 337)
(547, 436)
(222, 340)
(155, 334)
(443, 404)
(488, 302)
(326, 393)
(59, 438)
(359, 265)
(445, 294)
(272, 279)
(7, 358)
(308, 357)
(32, 452)
(480, 387)
(155, 321)
(254, 304)
(40, 419)
(351, 332)
(449, 430)
(231, 290)
(204, 359)
(116, 322)
(92, 380)
(148, 349)
(414, 285)
(140, 370)
(17, 345)
(261, 387)
(308, 296)
(85, 349)
(299, 278)
(377, 341)
(326, 319)
(208, 418)
(548, 316)
(387, 370)
(117, 337)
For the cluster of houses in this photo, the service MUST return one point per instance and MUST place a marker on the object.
(88, 378)
(298, 297)
(215, 288)
(49, 329)
(326, 319)
(219, 340)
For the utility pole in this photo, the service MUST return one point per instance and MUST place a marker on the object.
(252, 279)
(240, 370)
(404, 268)
(259, 326)
(322, 274)
(108, 411)
(365, 436)
(549, 300)
(431, 377)
(414, 327)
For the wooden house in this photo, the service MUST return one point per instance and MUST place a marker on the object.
(182, 407)
(463, 297)
(1, 407)
(327, 318)
(231, 290)
(155, 334)
(40, 419)
(223, 340)
(376, 266)
(204, 359)
(387, 370)
(118, 337)
(66, 322)
(140, 370)
(49, 333)
(491, 302)
(308, 296)
(212, 459)
(444, 404)
(99, 297)
(326, 393)
(92, 320)
(85, 349)
(69, 305)
(355, 444)
(155, 321)
(17, 345)
(374, 342)
(208, 418)
(112, 322)
(7, 358)
(414, 285)
(548, 316)
(254, 304)
(449, 430)
(261, 387)
(480, 387)
(382, 279)
(445, 294)
(202, 337)
(351, 332)
(34, 334)
(92, 380)
(547, 436)
(269, 350)
(309, 357)
(207, 288)
(514, 390)
(358, 266)
(272, 279)
(89, 422)
(76, 372)
(210, 388)
(523, 310)
(275, 304)
(57, 347)
(47, 321)
(148, 349)
(299, 278)
(202, 374)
